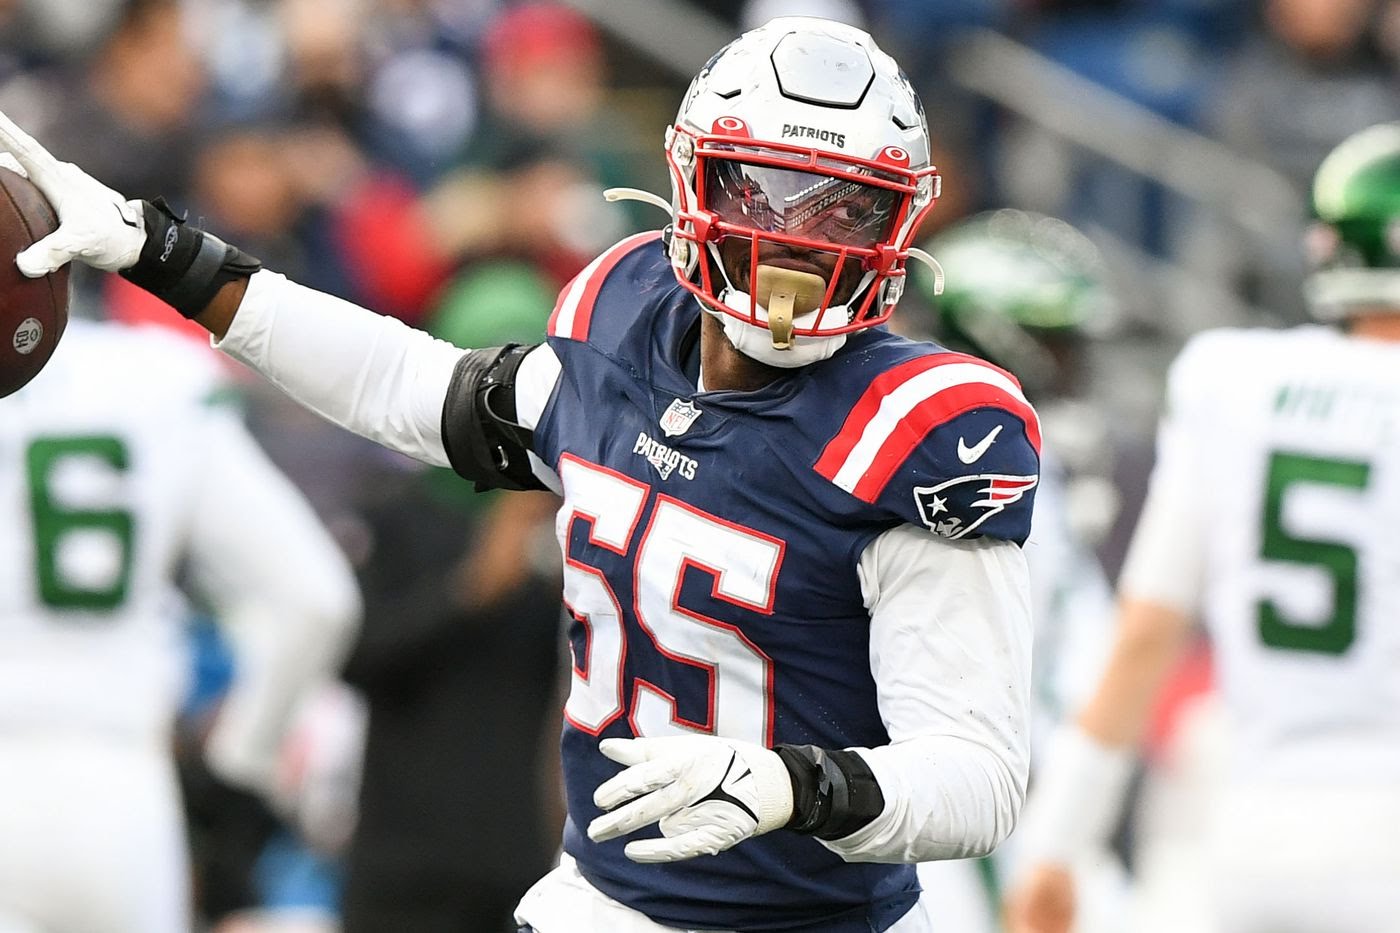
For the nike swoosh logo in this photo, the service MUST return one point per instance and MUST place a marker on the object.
(974, 453)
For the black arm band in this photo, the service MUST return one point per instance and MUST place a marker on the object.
(182, 265)
(479, 430)
(834, 792)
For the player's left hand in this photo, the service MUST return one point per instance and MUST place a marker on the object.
(1042, 902)
(706, 792)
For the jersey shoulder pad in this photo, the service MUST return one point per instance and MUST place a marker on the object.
(598, 300)
(943, 440)
(149, 362)
(1219, 367)
(1193, 375)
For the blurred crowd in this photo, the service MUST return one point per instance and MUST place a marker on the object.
(443, 161)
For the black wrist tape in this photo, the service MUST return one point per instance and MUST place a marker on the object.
(182, 265)
(834, 793)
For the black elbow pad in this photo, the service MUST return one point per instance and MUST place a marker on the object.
(484, 442)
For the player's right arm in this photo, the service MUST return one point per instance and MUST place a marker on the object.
(368, 373)
(1084, 774)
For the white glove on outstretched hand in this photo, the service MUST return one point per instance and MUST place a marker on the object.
(708, 793)
(96, 224)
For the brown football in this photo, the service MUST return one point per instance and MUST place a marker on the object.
(33, 312)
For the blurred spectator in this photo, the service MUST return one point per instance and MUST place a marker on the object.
(544, 74)
(1313, 75)
(325, 57)
(65, 28)
(460, 664)
(421, 96)
(129, 113)
(544, 68)
(527, 182)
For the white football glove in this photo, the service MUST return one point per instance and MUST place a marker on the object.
(96, 224)
(708, 793)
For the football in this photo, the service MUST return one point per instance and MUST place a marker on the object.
(33, 312)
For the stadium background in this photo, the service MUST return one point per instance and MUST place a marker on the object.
(443, 161)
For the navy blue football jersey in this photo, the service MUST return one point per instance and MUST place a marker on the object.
(711, 543)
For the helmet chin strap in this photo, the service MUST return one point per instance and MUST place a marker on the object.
(756, 342)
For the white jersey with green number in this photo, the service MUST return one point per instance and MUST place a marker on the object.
(117, 465)
(1275, 515)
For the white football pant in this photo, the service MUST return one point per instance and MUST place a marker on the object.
(1307, 859)
(564, 902)
(91, 837)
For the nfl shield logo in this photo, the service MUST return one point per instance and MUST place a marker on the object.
(678, 417)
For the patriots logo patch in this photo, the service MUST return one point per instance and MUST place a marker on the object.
(955, 508)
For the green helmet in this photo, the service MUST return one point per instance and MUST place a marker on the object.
(1022, 290)
(1355, 244)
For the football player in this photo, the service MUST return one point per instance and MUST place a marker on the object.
(119, 466)
(1028, 292)
(1271, 517)
(801, 635)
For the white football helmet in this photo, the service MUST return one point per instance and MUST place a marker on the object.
(799, 136)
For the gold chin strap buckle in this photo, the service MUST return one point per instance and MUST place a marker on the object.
(787, 293)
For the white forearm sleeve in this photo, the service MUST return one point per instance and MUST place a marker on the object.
(950, 647)
(282, 589)
(1079, 793)
(371, 374)
(1166, 559)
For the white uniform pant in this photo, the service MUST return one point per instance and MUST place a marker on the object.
(91, 837)
(564, 902)
(1306, 859)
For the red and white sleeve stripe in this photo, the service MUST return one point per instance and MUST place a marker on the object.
(573, 313)
(903, 406)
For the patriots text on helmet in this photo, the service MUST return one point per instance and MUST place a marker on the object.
(798, 131)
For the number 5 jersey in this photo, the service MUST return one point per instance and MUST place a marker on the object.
(1272, 515)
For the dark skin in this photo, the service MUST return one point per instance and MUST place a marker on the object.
(725, 367)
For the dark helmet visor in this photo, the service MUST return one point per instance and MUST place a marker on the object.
(811, 205)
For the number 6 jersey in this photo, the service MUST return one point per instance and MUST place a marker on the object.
(117, 464)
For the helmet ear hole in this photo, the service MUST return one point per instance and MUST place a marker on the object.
(891, 290)
(681, 252)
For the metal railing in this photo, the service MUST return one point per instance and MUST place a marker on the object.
(1109, 125)
(1082, 115)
